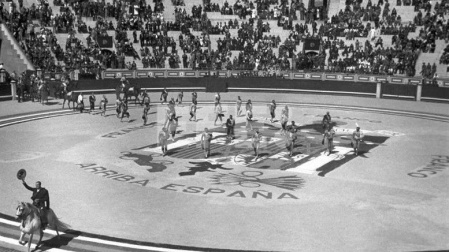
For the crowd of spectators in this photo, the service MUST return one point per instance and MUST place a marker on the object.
(37, 44)
(444, 59)
(64, 22)
(340, 35)
(178, 2)
(211, 7)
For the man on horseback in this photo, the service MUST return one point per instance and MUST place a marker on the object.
(64, 86)
(41, 200)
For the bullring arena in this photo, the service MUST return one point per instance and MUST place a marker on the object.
(109, 181)
(377, 65)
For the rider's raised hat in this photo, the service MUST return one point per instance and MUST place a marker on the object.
(21, 174)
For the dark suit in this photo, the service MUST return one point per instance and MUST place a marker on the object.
(42, 196)
(230, 123)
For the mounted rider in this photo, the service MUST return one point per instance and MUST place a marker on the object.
(65, 83)
(41, 200)
(120, 88)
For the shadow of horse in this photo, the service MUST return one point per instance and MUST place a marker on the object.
(63, 240)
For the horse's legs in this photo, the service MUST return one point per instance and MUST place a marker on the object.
(41, 233)
(21, 237)
(29, 242)
(57, 232)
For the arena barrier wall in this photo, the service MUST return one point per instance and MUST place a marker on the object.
(434, 93)
(399, 91)
(5, 92)
(222, 81)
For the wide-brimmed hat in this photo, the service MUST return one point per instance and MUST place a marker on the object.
(21, 174)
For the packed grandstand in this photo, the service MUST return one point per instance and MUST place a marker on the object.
(401, 37)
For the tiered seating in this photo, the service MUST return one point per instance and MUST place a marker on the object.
(360, 36)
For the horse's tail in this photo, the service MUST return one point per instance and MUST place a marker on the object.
(55, 223)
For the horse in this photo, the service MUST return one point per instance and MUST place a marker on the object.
(27, 92)
(129, 92)
(43, 93)
(28, 214)
(60, 89)
(70, 97)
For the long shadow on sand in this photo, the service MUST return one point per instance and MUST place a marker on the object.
(56, 242)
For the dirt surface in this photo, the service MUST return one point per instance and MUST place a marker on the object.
(109, 177)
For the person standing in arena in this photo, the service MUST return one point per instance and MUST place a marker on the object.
(249, 106)
(230, 124)
(326, 120)
(81, 102)
(249, 119)
(291, 136)
(146, 109)
(124, 109)
(163, 137)
(172, 102)
(194, 97)
(239, 106)
(146, 99)
(172, 127)
(164, 96)
(103, 104)
(357, 137)
(172, 107)
(217, 99)
(179, 99)
(284, 120)
(256, 142)
(168, 115)
(218, 114)
(329, 135)
(286, 111)
(92, 100)
(193, 111)
(272, 110)
(206, 138)
(118, 107)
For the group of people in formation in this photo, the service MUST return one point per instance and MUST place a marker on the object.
(288, 131)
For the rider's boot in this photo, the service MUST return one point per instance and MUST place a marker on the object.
(43, 223)
(43, 218)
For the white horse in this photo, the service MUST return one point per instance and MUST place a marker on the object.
(30, 222)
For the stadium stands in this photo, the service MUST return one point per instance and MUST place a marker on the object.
(349, 36)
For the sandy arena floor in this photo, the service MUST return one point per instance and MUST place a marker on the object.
(109, 177)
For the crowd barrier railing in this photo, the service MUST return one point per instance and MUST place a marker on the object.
(186, 73)
(395, 87)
